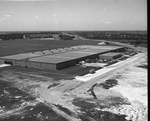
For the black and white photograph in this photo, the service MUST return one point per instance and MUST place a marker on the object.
(73, 60)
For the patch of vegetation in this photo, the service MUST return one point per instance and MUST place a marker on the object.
(115, 101)
(108, 83)
(64, 109)
(11, 97)
(53, 85)
(88, 112)
(40, 112)
(143, 66)
(83, 104)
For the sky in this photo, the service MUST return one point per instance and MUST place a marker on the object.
(74, 15)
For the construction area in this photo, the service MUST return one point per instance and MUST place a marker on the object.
(73, 83)
(61, 58)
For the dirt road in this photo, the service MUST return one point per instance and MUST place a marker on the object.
(112, 69)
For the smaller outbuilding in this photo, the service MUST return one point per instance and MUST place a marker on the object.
(109, 56)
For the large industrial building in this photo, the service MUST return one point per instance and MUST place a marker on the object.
(57, 59)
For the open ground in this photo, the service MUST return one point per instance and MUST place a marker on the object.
(37, 95)
(18, 46)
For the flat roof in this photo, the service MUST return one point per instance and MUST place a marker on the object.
(52, 57)
(20, 56)
(93, 51)
(60, 57)
(72, 54)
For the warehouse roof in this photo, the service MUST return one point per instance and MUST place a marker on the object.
(72, 54)
(60, 55)
(50, 59)
(20, 56)
(93, 51)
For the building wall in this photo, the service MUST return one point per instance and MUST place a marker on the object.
(119, 49)
(9, 60)
(73, 62)
(48, 66)
(14, 62)
(28, 64)
(65, 64)
(35, 65)
(18, 63)
(22, 63)
(87, 57)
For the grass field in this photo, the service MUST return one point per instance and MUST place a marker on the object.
(10, 47)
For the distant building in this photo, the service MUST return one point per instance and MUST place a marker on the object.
(56, 36)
